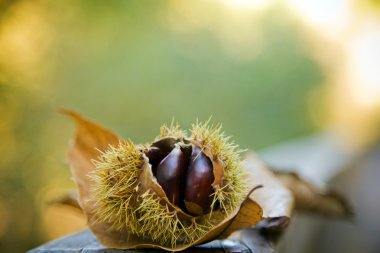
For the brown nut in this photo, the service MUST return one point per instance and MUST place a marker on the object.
(170, 174)
(199, 179)
(155, 156)
(159, 150)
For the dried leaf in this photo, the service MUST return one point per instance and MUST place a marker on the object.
(89, 139)
(275, 199)
(84, 147)
(272, 201)
(309, 198)
(250, 214)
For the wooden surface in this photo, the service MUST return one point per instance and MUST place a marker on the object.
(249, 241)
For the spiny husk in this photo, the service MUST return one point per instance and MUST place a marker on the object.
(232, 191)
(146, 212)
(161, 224)
(173, 130)
(115, 179)
(126, 207)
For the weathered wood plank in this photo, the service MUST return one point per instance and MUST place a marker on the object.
(85, 242)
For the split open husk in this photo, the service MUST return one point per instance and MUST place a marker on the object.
(268, 198)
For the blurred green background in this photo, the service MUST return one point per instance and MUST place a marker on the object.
(132, 66)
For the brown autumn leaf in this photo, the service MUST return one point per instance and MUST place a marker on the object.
(312, 199)
(250, 214)
(275, 199)
(90, 138)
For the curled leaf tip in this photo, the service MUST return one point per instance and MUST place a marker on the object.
(312, 199)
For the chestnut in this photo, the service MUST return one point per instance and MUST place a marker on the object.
(170, 174)
(199, 179)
